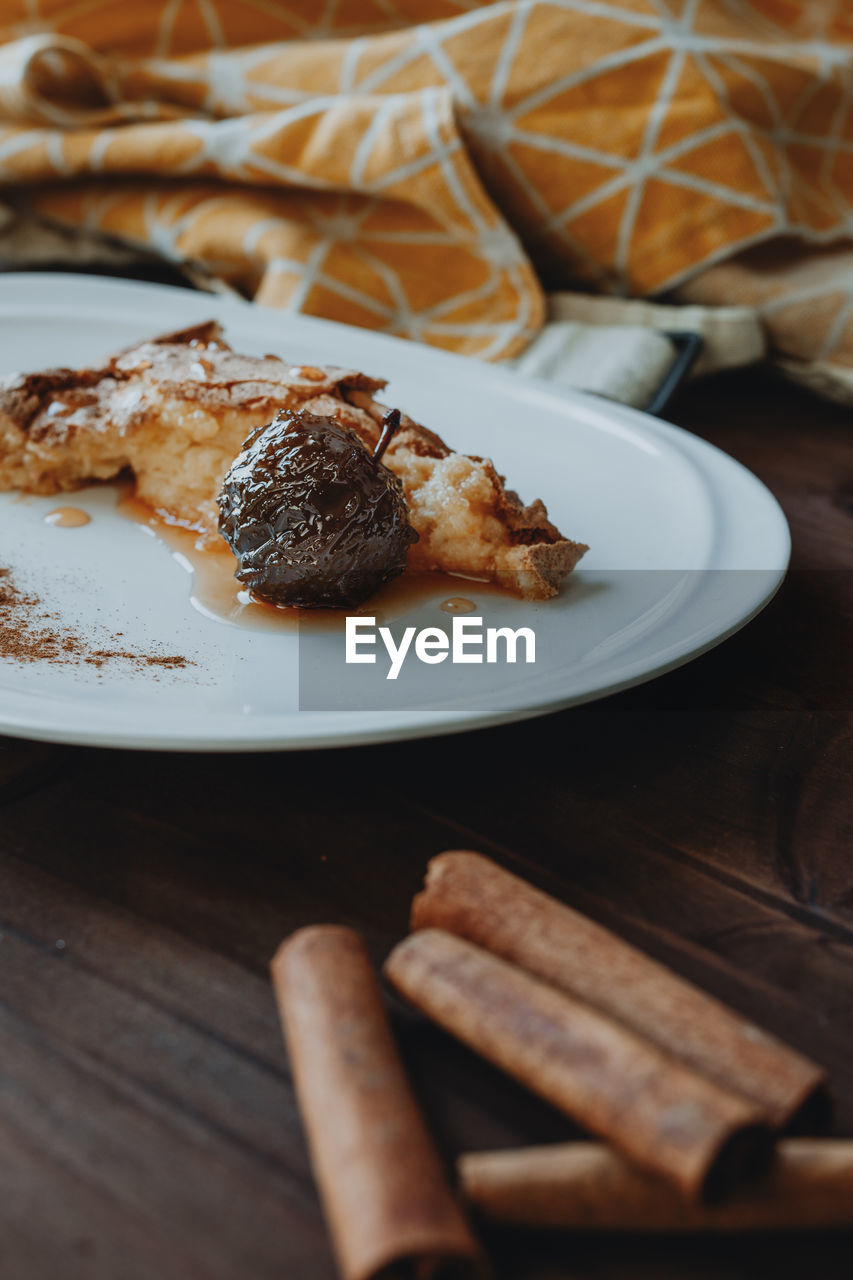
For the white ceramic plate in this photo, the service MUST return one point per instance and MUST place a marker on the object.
(686, 546)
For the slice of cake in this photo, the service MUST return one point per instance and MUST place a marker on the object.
(176, 410)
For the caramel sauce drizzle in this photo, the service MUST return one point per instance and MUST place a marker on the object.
(217, 594)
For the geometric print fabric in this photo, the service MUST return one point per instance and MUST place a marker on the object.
(419, 166)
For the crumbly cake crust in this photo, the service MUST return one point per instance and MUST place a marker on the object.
(175, 411)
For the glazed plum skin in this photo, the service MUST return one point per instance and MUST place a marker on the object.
(313, 519)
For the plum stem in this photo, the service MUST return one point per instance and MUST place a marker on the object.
(390, 424)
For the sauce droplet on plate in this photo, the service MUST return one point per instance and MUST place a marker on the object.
(67, 518)
(457, 604)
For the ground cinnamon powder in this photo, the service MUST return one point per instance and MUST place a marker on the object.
(30, 632)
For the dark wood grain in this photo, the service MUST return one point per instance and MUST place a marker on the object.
(147, 1123)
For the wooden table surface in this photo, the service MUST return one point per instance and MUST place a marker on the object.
(147, 1122)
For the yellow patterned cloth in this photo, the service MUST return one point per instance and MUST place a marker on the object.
(420, 166)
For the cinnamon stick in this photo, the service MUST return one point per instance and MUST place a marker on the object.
(665, 1117)
(589, 1186)
(388, 1204)
(471, 896)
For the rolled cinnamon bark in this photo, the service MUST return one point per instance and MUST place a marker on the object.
(473, 897)
(386, 1198)
(665, 1117)
(588, 1186)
